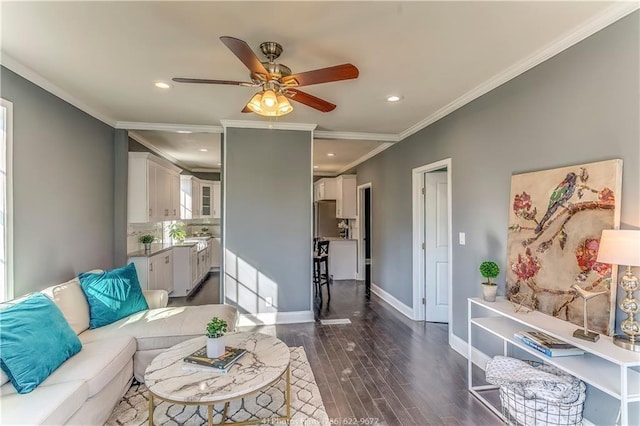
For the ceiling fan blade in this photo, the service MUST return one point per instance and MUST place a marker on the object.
(323, 75)
(309, 100)
(203, 81)
(242, 50)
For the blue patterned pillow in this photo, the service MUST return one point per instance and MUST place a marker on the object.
(112, 295)
(34, 340)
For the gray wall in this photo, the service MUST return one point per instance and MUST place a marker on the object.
(267, 190)
(578, 107)
(63, 193)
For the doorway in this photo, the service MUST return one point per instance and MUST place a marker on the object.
(432, 242)
(364, 232)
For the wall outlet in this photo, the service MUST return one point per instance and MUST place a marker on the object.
(268, 301)
(462, 238)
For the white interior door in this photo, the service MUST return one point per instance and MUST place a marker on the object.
(436, 251)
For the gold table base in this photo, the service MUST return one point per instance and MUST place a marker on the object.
(210, 405)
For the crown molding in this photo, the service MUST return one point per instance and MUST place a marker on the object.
(323, 174)
(204, 170)
(361, 136)
(612, 14)
(246, 124)
(142, 141)
(35, 78)
(365, 157)
(168, 127)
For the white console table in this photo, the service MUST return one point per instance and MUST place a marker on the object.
(611, 369)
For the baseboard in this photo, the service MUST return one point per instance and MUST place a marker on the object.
(457, 344)
(271, 318)
(395, 303)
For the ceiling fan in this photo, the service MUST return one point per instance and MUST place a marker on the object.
(276, 81)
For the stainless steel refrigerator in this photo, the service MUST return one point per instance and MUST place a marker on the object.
(325, 223)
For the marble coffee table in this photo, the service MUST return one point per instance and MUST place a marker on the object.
(170, 379)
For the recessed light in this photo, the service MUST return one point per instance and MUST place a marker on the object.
(315, 167)
(184, 131)
(161, 85)
(203, 150)
(331, 154)
(393, 98)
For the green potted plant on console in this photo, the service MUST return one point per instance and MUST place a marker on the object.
(489, 270)
(215, 340)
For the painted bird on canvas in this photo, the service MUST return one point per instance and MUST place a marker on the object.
(561, 195)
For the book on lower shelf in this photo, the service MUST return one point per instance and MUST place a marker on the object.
(222, 364)
(560, 348)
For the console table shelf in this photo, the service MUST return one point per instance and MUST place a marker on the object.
(605, 366)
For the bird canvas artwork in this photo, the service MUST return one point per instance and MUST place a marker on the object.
(555, 221)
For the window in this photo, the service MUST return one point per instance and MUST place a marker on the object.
(6, 212)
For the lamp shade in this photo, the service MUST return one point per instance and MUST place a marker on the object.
(620, 247)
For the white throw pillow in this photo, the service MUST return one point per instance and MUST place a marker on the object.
(70, 299)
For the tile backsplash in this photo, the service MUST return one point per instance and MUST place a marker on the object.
(194, 227)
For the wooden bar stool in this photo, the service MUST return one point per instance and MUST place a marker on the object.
(321, 269)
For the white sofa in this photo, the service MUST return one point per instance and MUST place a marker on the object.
(85, 389)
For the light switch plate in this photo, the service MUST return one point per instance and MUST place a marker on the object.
(462, 238)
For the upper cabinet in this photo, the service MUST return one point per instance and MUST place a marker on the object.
(324, 189)
(153, 189)
(346, 197)
(199, 198)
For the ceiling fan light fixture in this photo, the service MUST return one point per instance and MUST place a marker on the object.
(269, 100)
(284, 107)
(255, 104)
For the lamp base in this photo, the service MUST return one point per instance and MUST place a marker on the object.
(623, 342)
(586, 335)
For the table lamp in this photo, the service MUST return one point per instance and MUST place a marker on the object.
(622, 247)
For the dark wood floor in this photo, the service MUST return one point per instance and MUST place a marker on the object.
(382, 368)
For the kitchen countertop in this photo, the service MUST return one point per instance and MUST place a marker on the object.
(339, 239)
(157, 248)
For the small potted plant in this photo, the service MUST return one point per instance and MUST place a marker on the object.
(177, 231)
(489, 270)
(215, 340)
(146, 239)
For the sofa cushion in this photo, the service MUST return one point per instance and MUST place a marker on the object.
(97, 363)
(164, 327)
(70, 299)
(29, 329)
(51, 405)
(112, 295)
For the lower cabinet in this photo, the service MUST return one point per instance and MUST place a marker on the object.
(155, 272)
(185, 270)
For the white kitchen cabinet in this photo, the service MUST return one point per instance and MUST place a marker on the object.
(185, 270)
(216, 200)
(346, 197)
(206, 198)
(324, 189)
(155, 272)
(214, 245)
(189, 197)
(152, 194)
(203, 263)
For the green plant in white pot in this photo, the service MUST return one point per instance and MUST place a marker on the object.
(489, 270)
(215, 337)
(146, 239)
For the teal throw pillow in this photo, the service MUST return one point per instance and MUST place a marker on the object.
(112, 295)
(34, 340)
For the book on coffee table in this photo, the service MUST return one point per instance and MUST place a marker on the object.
(222, 364)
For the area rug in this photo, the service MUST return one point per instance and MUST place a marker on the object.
(306, 404)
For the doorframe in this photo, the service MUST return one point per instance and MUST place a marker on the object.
(359, 230)
(418, 232)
